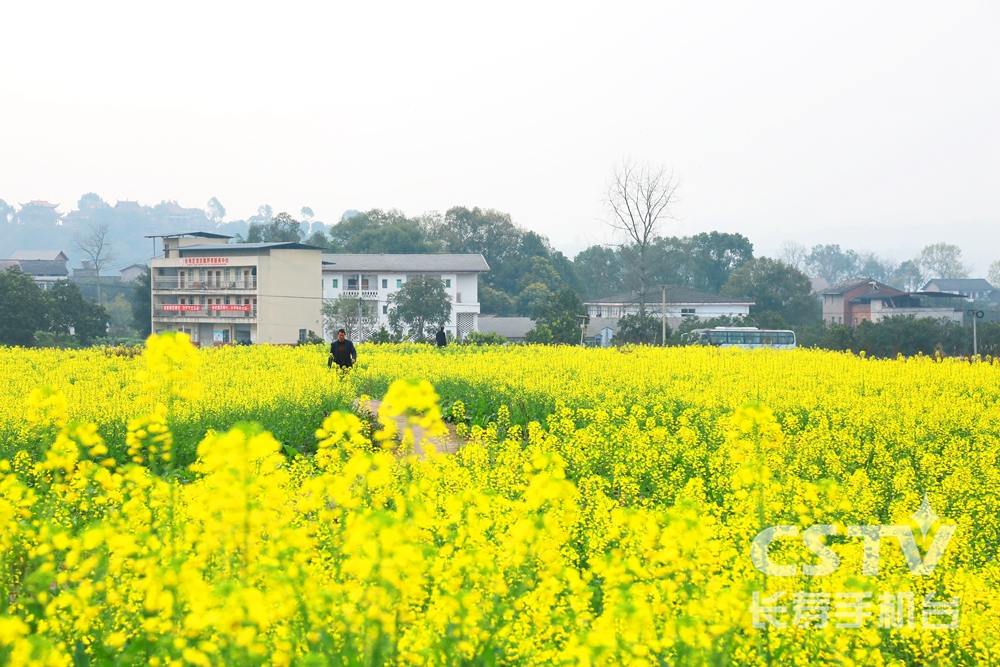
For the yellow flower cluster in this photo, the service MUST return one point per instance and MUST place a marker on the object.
(602, 511)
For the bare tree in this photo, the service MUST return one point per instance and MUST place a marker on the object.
(96, 245)
(942, 260)
(638, 198)
(793, 254)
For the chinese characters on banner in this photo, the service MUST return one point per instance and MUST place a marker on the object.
(852, 610)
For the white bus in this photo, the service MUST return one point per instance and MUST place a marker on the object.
(745, 337)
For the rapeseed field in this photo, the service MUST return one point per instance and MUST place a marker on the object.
(633, 506)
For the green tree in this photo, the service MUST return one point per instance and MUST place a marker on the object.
(541, 334)
(531, 298)
(494, 301)
(378, 231)
(598, 272)
(561, 312)
(282, 228)
(774, 287)
(348, 313)
(120, 318)
(942, 260)
(640, 328)
(22, 308)
(908, 276)
(714, 256)
(493, 234)
(142, 305)
(320, 240)
(307, 213)
(993, 276)
(875, 267)
(480, 339)
(67, 310)
(540, 271)
(420, 307)
(215, 210)
(831, 263)
(6, 212)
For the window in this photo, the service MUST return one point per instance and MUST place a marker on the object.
(385, 283)
(352, 281)
(334, 283)
(855, 321)
(385, 310)
(447, 282)
(399, 282)
(687, 312)
(302, 335)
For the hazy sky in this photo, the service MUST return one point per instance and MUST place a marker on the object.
(873, 125)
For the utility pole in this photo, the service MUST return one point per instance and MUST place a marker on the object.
(975, 315)
(663, 314)
(583, 328)
(360, 303)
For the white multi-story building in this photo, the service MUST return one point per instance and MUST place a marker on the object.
(372, 279)
(220, 292)
(676, 303)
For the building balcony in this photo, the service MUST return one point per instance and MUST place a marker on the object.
(368, 295)
(178, 311)
(188, 285)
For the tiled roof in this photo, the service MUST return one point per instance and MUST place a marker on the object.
(960, 284)
(508, 327)
(40, 254)
(43, 267)
(227, 247)
(851, 283)
(200, 235)
(675, 295)
(401, 263)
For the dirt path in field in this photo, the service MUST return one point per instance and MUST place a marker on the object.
(444, 444)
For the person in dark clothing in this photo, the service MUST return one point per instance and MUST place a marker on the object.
(442, 338)
(342, 352)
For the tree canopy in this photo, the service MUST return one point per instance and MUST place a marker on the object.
(419, 307)
(22, 308)
(561, 313)
(774, 287)
(281, 228)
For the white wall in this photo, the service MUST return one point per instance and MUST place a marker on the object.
(465, 283)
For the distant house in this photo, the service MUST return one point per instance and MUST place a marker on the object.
(48, 255)
(514, 329)
(973, 289)
(856, 300)
(44, 272)
(681, 303)
(37, 211)
(375, 278)
(46, 267)
(126, 206)
(601, 331)
(130, 273)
